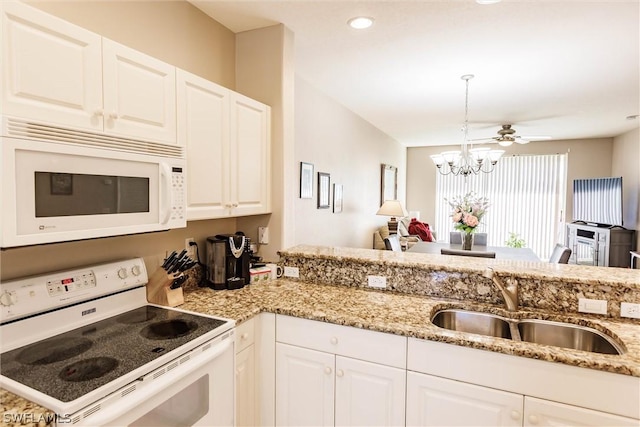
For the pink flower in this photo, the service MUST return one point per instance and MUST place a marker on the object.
(456, 217)
(471, 220)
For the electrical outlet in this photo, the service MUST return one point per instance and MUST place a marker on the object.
(596, 306)
(191, 250)
(291, 272)
(631, 310)
(263, 235)
(377, 281)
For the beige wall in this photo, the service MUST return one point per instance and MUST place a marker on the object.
(265, 71)
(587, 158)
(349, 148)
(626, 163)
(177, 33)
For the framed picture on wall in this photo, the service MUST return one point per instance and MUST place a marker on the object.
(389, 183)
(306, 180)
(337, 198)
(324, 186)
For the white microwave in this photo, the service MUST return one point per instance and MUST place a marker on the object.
(60, 185)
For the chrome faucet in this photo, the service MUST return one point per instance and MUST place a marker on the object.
(509, 292)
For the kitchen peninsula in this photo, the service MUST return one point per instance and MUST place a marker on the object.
(332, 291)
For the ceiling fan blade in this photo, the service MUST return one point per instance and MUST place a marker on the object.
(482, 140)
(535, 137)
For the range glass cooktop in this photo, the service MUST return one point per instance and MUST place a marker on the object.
(71, 364)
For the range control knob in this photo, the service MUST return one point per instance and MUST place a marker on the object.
(135, 270)
(122, 273)
(7, 299)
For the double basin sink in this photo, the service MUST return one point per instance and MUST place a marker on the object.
(559, 334)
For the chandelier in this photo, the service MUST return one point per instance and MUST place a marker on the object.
(467, 160)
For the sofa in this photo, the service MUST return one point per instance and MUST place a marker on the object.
(406, 240)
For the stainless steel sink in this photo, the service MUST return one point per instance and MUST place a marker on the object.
(567, 335)
(545, 332)
(472, 322)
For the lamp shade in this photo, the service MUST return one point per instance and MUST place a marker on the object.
(392, 208)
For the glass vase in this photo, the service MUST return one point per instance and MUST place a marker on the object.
(467, 241)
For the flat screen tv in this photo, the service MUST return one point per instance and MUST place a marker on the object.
(598, 201)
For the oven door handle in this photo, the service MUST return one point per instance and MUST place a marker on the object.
(114, 411)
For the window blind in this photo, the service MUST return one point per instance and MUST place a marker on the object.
(527, 197)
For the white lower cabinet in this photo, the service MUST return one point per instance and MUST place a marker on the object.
(246, 411)
(322, 379)
(305, 386)
(538, 412)
(434, 401)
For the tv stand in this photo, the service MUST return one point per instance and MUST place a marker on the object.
(600, 246)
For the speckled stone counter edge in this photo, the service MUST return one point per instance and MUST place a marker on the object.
(553, 287)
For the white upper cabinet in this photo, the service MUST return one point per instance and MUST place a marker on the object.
(139, 94)
(227, 137)
(250, 156)
(52, 70)
(58, 73)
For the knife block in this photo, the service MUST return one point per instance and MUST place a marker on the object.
(159, 291)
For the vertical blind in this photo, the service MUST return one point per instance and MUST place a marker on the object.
(526, 195)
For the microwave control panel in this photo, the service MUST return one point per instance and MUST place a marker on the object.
(178, 201)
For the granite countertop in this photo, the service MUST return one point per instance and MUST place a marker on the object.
(390, 312)
(409, 316)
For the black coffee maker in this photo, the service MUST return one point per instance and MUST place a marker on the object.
(228, 261)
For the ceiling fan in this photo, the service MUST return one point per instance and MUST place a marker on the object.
(507, 136)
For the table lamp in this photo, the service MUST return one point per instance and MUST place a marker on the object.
(392, 208)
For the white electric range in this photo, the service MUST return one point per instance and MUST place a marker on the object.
(85, 344)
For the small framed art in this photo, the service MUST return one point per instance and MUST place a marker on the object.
(306, 180)
(337, 198)
(389, 183)
(324, 186)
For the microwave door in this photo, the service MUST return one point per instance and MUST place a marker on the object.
(60, 193)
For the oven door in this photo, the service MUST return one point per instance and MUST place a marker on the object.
(57, 192)
(202, 395)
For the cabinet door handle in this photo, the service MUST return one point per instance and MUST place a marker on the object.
(515, 415)
(339, 373)
(327, 370)
(334, 340)
(244, 336)
(99, 112)
(114, 115)
(533, 419)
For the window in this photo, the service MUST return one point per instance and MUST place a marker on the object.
(527, 196)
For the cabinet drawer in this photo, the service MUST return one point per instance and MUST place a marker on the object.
(372, 346)
(245, 335)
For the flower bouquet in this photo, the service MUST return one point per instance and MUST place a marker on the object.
(467, 212)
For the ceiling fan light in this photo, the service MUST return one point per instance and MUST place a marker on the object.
(505, 142)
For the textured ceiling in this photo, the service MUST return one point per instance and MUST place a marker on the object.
(565, 69)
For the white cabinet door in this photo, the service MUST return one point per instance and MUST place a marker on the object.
(139, 94)
(51, 70)
(539, 412)
(368, 394)
(304, 387)
(245, 387)
(434, 401)
(249, 156)
(203, 127)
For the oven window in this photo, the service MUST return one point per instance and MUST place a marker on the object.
(180, 410)
(71, 194)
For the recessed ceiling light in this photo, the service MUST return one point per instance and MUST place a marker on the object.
(360, 22)
(487, 1)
